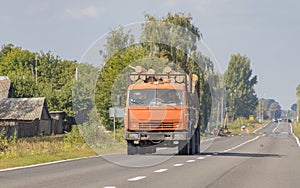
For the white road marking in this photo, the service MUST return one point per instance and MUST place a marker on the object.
(261, 127)
(297, 139)
(211, 139)
(137, 178)
(276, 128)
(160, 170)
(235, 147)
(190, 161)
(49, 163)
(200, 158)
(177, 165)
(110, 187)
(208, 155)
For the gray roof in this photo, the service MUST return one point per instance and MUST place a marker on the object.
(4, 87)
(21, 108)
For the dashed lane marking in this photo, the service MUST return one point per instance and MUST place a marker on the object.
(137, 178)
(160, 170)
(200, 158)
(177, 165)
(190, 161)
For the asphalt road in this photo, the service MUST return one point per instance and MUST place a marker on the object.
(271, 158)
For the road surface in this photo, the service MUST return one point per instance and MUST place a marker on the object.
(271, 158)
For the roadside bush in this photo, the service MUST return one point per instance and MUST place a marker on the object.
(235, 126)
(74, 138)
(3, 141)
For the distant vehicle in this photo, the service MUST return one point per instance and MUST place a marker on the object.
(275, 120)
(289, 120)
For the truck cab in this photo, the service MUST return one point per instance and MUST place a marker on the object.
(160, 113)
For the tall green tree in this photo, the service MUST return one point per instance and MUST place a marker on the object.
(172, 40)
(175, 37)
(120, 52)
(241, 99)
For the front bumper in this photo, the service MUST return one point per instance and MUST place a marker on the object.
(156, 136)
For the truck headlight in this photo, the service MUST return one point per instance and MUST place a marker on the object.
(133, 135)
(179, 136)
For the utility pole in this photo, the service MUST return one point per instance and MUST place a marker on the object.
(262, 111)
(218, 114)
(36, 58)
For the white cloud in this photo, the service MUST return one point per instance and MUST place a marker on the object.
(87, 12)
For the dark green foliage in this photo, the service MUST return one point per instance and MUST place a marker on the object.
(39, 75)
(169, 41)
(112, 81)
(241, 99)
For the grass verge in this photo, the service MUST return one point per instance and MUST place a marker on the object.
(27, 151)
(296, 127)
(235, 126)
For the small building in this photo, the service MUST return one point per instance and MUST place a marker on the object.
(24, 117)
(58, 122)
(5, 84)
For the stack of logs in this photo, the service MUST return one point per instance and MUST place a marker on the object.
(140, 75)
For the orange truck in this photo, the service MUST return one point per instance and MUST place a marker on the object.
(162, 110)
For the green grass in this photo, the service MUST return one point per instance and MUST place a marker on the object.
(296, 127)
(36, 158)
(235, 126)
(27, 151)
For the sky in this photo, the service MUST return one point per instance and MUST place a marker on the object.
(266, 31)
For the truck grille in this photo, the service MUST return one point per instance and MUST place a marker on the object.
(156, 125)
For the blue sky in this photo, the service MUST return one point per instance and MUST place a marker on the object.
(265, 31)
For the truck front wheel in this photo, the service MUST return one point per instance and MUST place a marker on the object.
(183, 148)
(131, 148)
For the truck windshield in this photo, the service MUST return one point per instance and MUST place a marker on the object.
(156, 97)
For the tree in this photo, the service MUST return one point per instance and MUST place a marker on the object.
(175, 37)
(241, 99)
(275, 110)
(119, 53)
(39, 75)
(168, 41)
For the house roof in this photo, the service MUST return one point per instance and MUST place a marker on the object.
(4, 87)
(21, 108)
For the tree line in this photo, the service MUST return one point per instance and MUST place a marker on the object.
(46, 75)
(41, 74)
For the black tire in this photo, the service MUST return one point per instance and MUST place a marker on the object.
(131, 148)
(192, 145)
(183, 148)
(197, 141)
